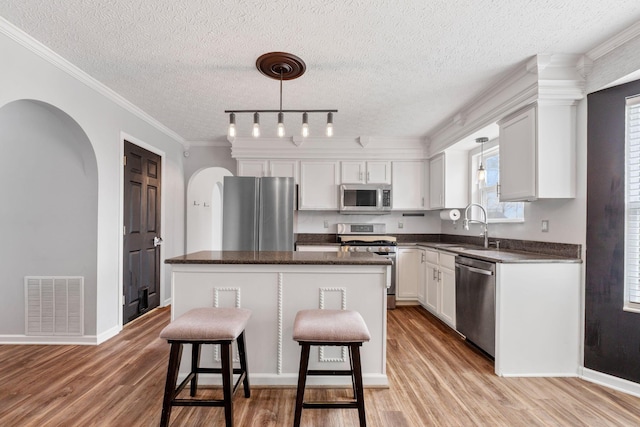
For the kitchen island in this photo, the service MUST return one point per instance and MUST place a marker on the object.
(274, 286)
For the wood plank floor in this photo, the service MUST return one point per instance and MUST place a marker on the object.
(435, 379)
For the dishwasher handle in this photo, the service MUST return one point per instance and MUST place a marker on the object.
(475, 270)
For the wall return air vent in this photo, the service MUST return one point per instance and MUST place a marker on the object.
(54, 305)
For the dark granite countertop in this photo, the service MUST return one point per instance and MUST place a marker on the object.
(272, 257)
(505, 256)
(511, 250)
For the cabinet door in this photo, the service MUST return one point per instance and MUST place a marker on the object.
(448, 298)
(378, 172)
(407, 182)
(318, 185)
(352, 172)
(422, 286)
(257, 168)
(409, 265)
(432, 288)
(284, 168)
(436, 182)
(518, 180)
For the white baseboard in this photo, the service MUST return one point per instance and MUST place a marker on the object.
(610, 381)
(48, 340)
(108, 334)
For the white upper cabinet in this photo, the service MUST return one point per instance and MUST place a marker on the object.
(407, 178)
(365, 172)
(277, 168)
(448, 180)
(283, 168)
(257, 168)
(319, 185)
(537, 153)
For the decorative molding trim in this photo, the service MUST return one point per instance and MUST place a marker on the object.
(58, 61)
(297, 140)
(554, 78)
(216, 301)
(329, 148)
(343, 306)
(280, 315)
(364, 141)
(615, 42)
(343, 297)
(216, 295)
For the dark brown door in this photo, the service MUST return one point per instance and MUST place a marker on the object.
(141, 228)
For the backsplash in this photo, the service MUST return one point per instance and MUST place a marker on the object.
(314, 221)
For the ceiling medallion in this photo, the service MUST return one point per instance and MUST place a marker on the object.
(280, 66)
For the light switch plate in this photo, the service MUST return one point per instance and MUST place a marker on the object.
(400, 225)
(545, 226)
(326, 224)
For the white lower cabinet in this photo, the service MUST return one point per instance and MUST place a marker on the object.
(410, 270)
(440, 285)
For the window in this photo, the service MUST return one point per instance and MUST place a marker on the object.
(486, 193)
(632, 206)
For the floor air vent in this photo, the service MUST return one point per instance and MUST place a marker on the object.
(54, 305)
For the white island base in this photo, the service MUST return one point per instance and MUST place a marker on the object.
(274, 293)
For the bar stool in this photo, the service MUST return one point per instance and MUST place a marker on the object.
(200, 326)
(330, 328)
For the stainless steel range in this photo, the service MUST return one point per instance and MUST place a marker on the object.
(371, 238)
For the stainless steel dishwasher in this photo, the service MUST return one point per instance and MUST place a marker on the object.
(476, 302)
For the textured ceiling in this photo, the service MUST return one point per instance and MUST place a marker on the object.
(392, 68)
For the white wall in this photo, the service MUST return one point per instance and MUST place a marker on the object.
(49, 206)
(104, 118)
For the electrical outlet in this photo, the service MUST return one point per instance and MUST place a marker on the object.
(545, 226)
(326, 224)
(400, 225)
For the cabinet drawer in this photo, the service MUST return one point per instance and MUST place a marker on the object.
(431, 256)
(447, 261)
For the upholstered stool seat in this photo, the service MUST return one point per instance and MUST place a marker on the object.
(221, 326)
(330, 328)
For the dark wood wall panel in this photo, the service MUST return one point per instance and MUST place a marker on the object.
(612, 336)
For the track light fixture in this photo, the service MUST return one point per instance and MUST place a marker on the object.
(280, 66)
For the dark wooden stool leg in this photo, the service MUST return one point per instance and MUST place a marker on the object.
(195, 363)
(243, 363)
(302, 381)
(357, 367)
(175, 355)
(353, 374)
(227, 381)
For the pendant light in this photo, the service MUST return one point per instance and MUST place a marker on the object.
(281, 66)
(481, 173)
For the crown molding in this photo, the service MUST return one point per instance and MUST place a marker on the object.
(615, 42)
(553, 78)
(28, 42)
(360, 148)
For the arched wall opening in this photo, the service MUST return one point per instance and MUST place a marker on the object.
(49, 206)
(204, 209)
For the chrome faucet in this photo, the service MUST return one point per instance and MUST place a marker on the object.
(466, 221)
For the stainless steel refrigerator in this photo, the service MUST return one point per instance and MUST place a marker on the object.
(257, 213)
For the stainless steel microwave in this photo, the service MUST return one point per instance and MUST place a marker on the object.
(365, 198)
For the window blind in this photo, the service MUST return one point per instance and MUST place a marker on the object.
(632, 235)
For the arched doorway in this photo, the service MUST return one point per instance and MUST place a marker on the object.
(49, 207)
(204, 209)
